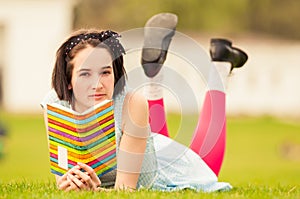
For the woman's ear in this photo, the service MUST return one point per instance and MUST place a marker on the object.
(69, 86)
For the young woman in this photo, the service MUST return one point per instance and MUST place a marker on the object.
(89, 69)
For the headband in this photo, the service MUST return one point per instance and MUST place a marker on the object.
(107, 37)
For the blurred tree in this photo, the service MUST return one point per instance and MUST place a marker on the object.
(193, 14)
(235, 16)
(92, 13)
(275, 17)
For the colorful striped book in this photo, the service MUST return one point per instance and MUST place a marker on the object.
(87, 137)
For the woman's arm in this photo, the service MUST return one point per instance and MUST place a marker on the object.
(133, 143)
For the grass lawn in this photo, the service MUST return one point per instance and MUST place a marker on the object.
(262, 160)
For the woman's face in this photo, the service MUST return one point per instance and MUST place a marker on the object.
(92, 78)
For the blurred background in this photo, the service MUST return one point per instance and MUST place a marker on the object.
(262, 96)
(31, 31)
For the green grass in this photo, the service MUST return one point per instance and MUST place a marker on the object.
(255, 162)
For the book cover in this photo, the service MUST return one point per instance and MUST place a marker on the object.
(87, 137)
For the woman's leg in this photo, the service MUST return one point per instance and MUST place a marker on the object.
(157, 114)
(158, 34)
(210, 134)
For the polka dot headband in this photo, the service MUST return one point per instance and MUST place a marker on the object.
(107, 37)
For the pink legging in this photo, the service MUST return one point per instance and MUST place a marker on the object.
(210, 134)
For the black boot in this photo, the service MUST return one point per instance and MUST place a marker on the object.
(222, 50)
(158, 32)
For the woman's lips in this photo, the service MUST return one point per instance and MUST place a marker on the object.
(97, 96)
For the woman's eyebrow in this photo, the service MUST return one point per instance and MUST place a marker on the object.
(84, 69)
(88, 69)
(105, 67)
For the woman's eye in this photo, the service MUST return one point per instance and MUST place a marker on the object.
(106, 72)
(84, 74)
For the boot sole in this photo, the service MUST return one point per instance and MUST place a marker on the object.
(158, 33)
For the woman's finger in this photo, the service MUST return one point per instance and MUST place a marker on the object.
(85, 181)
(90, 171)
(71, 186)
(85, 167)
(95, 178)
(86, 178)
(61, 179)
(63, 185)
(77, 167)
(63, 182)
(77, 182)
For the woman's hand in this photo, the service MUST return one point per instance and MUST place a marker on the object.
(89, 177)
(65, 183)
(76, 179)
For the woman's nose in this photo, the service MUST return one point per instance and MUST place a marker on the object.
(98, 83)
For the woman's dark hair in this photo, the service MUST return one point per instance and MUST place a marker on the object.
(79, 40)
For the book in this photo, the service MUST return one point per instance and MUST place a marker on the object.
(87, 137)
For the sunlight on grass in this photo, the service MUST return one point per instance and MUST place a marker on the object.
(255, 161)
(26, 151)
